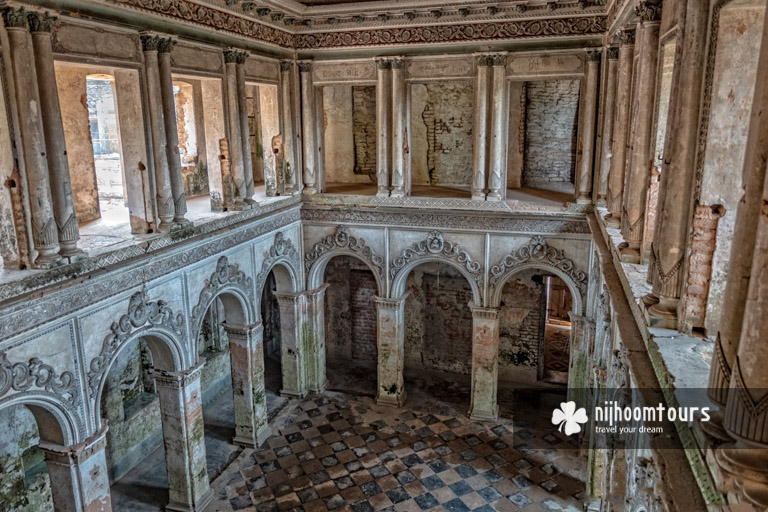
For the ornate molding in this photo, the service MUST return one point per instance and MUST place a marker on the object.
(281, 248)
(538, 252)
(224, 275)
(342, 240)
(142, 313)
(435, 245)
(41, 22)
(35, 373)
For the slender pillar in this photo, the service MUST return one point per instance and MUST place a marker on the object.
(165, 205)
(480, 129)
(587, 136)
(609, 105)
(79, 475)
(246, 354)
(383, 121)
(245, 129)
(485, 364)
(740, 265)
(621, 127)
(390, 342)
(291, 349)
(235, 133)
(400, 153)
(313, 339)
(181, 410)
(289, 159)
(678, 172)
(58, 166)
(499, 133)
(308, 128)
(171, 130)
(640, 168)
(45, 235)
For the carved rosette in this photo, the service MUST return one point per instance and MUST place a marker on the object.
(433, 246)
(343, 241)
(36, 374)
(282, 248)
(538, 252)
(225, 275)
(142, 314)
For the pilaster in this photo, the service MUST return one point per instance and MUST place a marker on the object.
(289, 148)
(499, 129)
(485, 364)
(235, 133)
(309, 144)
(401, 157)
(291, 348)
(609, 107)
(245, 129)
(390, 340)
(313, 339)
(480, 129)
(383, 123)
(587, 132)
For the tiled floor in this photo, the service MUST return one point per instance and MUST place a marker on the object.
(342, 452)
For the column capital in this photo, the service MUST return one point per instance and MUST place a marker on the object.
(77, 453)
(305, 66)
(176, 380)
(232, 56)
(166, 44)
(485, 313)
(594, 55)
(15, 17)
(398, 63)
(286, 65)
(391, 304)
(243, 330)
(39, 22)
(483, 60)
(317, 292)
(648, 11)
(288, 298)
(498, 59)
(627, 36)
(612, 52)
(383, 63)
(150, 42)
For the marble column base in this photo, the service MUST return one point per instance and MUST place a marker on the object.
(309, 191)
(630, 253)
(493, 196)
(748, 463)
(478, 197)
(612, 222)
(382, 192)
(583, 199)
(397, 400)
(602, 202)
(397, 193)
(48, 258)
(478, 415)
(203, 502)
(713, 429)
(663, 314)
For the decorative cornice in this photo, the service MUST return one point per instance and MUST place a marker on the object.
(36, 374)
(165, 45)
(435, 245)
(150, 43)
(342, 240)
(613, 53)
(627, 36)
(648, 11)
(15, 17)
(40, 22)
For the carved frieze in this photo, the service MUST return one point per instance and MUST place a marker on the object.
(36, 374)
(342, 240)
(435, 245)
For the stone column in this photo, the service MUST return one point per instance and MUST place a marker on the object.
(621, 127)
(480, 128)
(609, 104)
(678, 173)
(291, 349)
(636, 191)
(171, 130)
(235, 136)
(45, 235)
(79, 475)
(400, 153)
(246, 354)
(740, 265)
(181, 410)
(245, 129)
(58, 166)
(313, 339)
(165, 206)
(499, 116)
(289, 159)
(390, 342)
(746, 417)
(485, 364)
(308, 128)
(587, 135)
(383, 115)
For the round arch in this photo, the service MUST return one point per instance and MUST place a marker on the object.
(238, 310)
(286, 276)
(398, 283)
(55, 422)
(316, 274)
(578, 299)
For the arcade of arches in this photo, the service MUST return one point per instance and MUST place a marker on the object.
(351, 255)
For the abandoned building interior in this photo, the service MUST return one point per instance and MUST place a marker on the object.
(350, 254)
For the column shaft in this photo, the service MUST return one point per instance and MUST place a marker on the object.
(400, 151)
(58, 166)
(246, 355)
(45, 235)
(499, 132)
(291, 349)
(181, 410)
(390, 342)
(308, 128)
(621, 128)
(171, 131)
(289, 158)
(636, 191)
(383, 118)
(313, 338)
(245, 128)
(485, 364)
(235, 135)
(165, 205)
(609, 107)
(587, 134)
(480, 129)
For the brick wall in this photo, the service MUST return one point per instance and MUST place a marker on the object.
(362, 289)
(364, 129)
(520, 321)
(551, 114)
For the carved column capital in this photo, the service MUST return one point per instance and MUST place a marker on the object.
(177, 380)
(15, 17)
(165, 45)
(305, 67)
(286, 65)
(398, 63)
(594, 55)
(385, 303)
(39, 22)
(383, 64)
(648, 11)
(613, 53)
(234, 56)
(483, 60)
(497, 59)
(627, 36)
(485, 313)
(150, 42)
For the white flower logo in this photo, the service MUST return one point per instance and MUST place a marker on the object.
(568, 415)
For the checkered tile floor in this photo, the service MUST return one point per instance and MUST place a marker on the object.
(345, 453)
